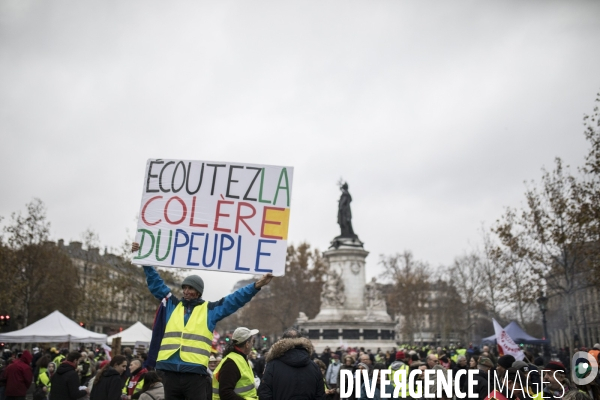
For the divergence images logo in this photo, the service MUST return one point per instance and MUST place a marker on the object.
(584, 368)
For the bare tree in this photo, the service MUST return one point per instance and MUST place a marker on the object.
(35, 269)
(409, 297)
(551, 235)
(278, 306)
(467, 277)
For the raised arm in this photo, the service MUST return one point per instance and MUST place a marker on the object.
(231, 303)
(155, 282)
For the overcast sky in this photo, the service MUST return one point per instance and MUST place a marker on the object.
(434, 112)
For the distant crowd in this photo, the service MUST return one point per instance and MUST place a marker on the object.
(286, 370)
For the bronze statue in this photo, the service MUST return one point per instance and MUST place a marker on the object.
(345, 215)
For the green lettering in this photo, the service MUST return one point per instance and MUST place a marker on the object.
(262, 180)
(158, 258)
(144, 232)
(283, 174)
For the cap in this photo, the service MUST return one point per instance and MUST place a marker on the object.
(212, 358)
(555, 366)
(53, 350)
(506, 361)
(521, 365)
(194, 281)
(242, 334)
(512, 374)
(36, 349)
(597, 346)
(485, 362)
(400, 355)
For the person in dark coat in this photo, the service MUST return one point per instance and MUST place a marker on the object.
(290, 373)
(19, 376)
(484, 365)
(108, 384)
(65, 382)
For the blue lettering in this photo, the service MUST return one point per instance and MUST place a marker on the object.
(222, 249)
(214, 257)
(259, 253)
(176, 244)
(237, 260)
(192, 248)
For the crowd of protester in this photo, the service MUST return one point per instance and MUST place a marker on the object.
(286, 370)
(184, 362)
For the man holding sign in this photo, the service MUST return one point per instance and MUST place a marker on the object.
(214, 216)
(185, 330)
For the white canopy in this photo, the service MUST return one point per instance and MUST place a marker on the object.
(135, 333)
(54, 328)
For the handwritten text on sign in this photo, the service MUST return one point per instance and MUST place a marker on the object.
(214, 215)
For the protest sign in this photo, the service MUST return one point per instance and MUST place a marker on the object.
(506, 346)
(215, 216)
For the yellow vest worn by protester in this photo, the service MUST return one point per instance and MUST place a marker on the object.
(393, 382)
(138, 387)
(43, 379)
(89, 370)
(459, 352)
(193, 340)
(58, 359)
(245, 386)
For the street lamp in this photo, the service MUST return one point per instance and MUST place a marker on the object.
(543, 303)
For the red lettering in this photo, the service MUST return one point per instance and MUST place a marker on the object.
(192, 215)
(144, 211)
(265, 221)
(219, 214)
(180, 220)
(241, 218)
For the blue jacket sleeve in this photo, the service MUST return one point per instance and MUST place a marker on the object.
(229, 304)
(155, 283)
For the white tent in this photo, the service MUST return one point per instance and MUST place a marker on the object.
(54, 328)
(135, 333)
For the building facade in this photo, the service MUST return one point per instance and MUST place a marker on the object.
(113, 292)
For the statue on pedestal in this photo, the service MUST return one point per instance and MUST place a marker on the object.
(332, 294)
(374, 297)
(345, 214)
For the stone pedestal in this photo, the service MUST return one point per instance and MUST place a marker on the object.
(353, 313)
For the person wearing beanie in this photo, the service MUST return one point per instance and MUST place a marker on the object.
(556, 384)
(183, 331)
(504, 363)
(400, 356)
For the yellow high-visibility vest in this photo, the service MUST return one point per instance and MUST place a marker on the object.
(459, 352)
(138, 387)
(43, 379)
(393, 382)
(245, 386)
(89, 371)
(193, 340)
(58, 359)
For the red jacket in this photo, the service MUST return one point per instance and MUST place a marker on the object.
(19, 376)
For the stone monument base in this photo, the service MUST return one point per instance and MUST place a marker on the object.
(353, 313)
(370, 335)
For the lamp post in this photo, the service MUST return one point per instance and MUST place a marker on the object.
(543, 303)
